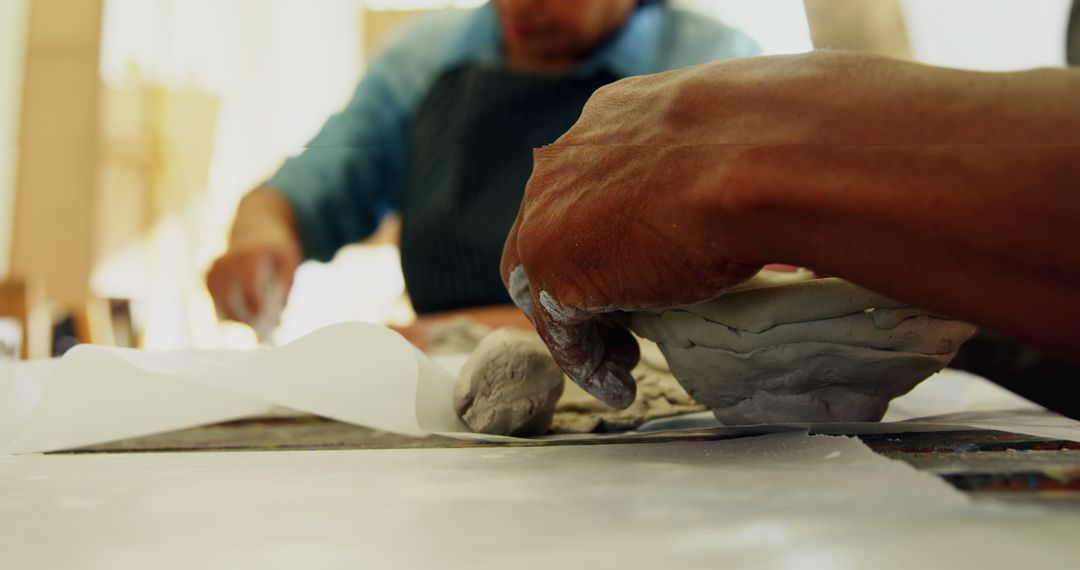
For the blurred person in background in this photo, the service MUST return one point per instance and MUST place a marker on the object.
(441, 130)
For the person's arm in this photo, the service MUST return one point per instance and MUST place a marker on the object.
(333, 193)
(346, 178)
(339, 188)
(987, 233)
(949, 189)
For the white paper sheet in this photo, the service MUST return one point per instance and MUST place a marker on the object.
(367, 375)
(353, 372)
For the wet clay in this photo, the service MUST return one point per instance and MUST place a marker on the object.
(815, 350)
(509, 385)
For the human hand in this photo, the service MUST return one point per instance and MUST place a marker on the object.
(253, 278)
(611, 229)
(674, 186)
(251, 281)
(654, 197)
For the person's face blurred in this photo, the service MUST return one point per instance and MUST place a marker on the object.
(559, 30)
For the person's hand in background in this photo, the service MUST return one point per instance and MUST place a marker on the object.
(672, 187)
(253, 277)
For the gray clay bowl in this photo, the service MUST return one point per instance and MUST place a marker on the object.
(815, 350)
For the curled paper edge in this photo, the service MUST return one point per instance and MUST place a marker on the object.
(358, 373)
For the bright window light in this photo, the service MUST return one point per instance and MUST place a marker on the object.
(991, 35)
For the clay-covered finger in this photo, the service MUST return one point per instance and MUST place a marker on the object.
(590, 349)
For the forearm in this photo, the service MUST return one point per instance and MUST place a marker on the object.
(265, 214)
(987, 233)
(1037, 106)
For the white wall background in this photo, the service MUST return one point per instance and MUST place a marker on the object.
(996, 35)
(778, 25)
(278, 68)
(993, 35)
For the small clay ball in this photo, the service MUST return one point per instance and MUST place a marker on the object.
(509, 386)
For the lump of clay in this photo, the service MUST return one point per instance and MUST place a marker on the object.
(801, 351)
(509, 385)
